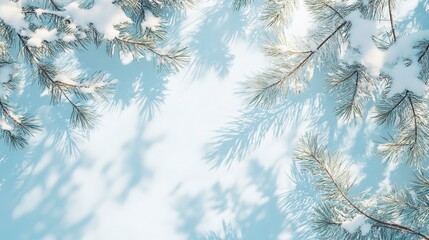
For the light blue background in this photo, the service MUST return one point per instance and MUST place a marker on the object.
(153, 168)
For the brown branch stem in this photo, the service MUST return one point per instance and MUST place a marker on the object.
(423, 53)
(149, 48)
(391, 20)
(303, 62)
(415, 122)
(333, 9)
(347, 199)
(54, 5)
(9, 115)
(36, 61)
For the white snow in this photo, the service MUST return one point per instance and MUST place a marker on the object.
(126, 57)
(360, 38)
(365, 228)
(406, 9)
(63, 78)
(301, 22)
(40, 11)
(91, 87)
(6, 126)
(357, 222)
(45, 92)
(42, 34)
(71, 74)
(69, 38)
(104, 15)
(150, 21)
(405, 78)
(15, 118)
(392, 61)
(11, 14)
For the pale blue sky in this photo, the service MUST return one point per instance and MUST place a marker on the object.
(152, 169)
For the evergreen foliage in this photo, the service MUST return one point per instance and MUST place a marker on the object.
(34, 33)
(329, 46)
(400, 213)
(389, 89)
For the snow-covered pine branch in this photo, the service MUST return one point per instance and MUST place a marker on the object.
(34, 33)
(340, 214)
(375, 55)
(294, 71)
(352, 86)
(368, 60)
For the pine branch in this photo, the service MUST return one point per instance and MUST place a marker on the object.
(405, 112)
(310, 151)
(48, 23)
(415, 122)
(15, 142)
(25, 125)
(391, 20)
(410, 204)
(423, 53)
(330, 7)
(5, 110)
(77, 112)
(45, 73)
(32, 11)
(261, 96)
(387, 113)
(351, 85)
(174, 59)
(56, 7)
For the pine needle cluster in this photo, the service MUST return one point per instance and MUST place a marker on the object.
(44, 30)
(381, 93)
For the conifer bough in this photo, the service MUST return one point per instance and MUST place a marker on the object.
(34, 35)
(368, 61)
(376, 59)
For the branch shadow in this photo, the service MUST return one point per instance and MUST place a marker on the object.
(39, 186)
(220, 27)
(252, 221)
(45, 197)
(245, 133)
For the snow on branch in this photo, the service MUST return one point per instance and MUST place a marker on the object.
(341, 215)
(44, 30)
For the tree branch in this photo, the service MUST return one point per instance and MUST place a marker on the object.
(391, 20)
(36, 61)
(423, 53)
(347, 199)
(6, 111)
(145, 45)
(415, 122)
(303, 62)
(54, 5)
(356, 87)
(397, 104)
(333, 9)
